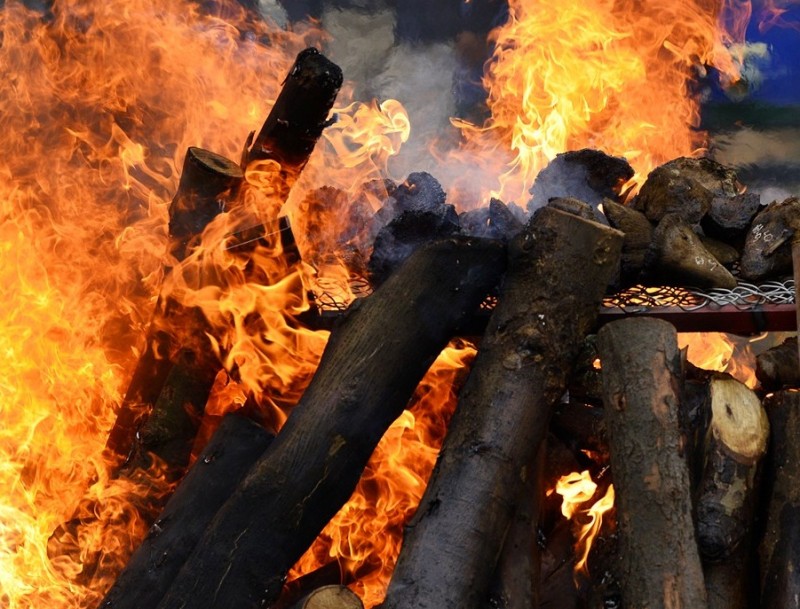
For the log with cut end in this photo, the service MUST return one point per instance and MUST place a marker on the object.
(225, 460)
(330, 597)
(780, 546)
(206, 179)
(660, 564)
(736, 441)
(374, 360)
(559, 268)
(299, 116)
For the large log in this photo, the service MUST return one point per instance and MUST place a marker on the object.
(375, 358)
(780, 547)
(559, 267)
(225, 460)
(642, 383)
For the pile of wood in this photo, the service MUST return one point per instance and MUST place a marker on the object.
(686, 448)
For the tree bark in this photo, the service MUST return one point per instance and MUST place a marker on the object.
(736, 441)
(228, 456)
(779, 367)
(373, 361)
(559, 267)
(642, 380)
(780, 547)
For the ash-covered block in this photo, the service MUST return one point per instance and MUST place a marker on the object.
(768, 247)
(638, 235)
(588, 175)
(687, 187)
(677, 256)
(422, 216)
(497, 221)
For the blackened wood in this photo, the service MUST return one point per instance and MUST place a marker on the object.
(330, 597)
(780, 546)
(228, 456)
(730, 583)
(642, 379)
(559, 268)
(779, 367)
(735, 443)
(374, 360)
(574, 206)
(678, 257)
(206, 178)
(299, 115)
(581, 427)
(768, 247)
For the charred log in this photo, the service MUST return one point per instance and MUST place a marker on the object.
(559, 267)
(780, 546)
(382, 347)
(225, 460)
(660, 565)
(298, 117)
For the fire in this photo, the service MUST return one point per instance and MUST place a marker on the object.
(577, 490)
(613, 75)
(723, 353)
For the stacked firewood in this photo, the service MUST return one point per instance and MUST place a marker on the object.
(252, 504)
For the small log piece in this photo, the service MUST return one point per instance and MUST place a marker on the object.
(228, 456)
(768, 247)
(382, 347)
(780, 546)
(736, 441)
(330, 597)
(206, 180)
(559, 268)
(298, 117)
(678, 256)
(660, 565)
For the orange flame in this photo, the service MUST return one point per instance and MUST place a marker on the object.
(612, 75)
(723, 353)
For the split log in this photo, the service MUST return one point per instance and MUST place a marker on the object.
(206, 179)
(330, 597)
(678, 256)
(381, 349)
(228, 456)
(768, 247)
(299, 116)
(660, 565)
(779, 367)
(780, 546)
(559, 268)
(736, 441)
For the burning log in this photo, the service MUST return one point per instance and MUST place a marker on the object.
(206, 180)
(677, 254)
(779, 367)
(382, 348)
(225, 460)
(330, 597)
(559, 268)
(780, 547)
(642, 378)
(735, 443)
(298, 117)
